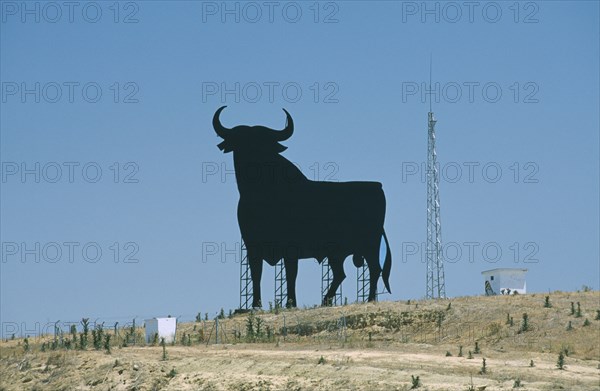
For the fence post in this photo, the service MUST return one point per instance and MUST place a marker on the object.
(217, 330)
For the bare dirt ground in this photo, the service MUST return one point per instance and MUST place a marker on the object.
(379, 346)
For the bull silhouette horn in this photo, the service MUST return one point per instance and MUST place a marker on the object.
(221, 131)
(286, 133)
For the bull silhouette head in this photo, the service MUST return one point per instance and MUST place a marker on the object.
(255, 138)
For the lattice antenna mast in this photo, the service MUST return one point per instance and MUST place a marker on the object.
(436, 286)
(430, 66)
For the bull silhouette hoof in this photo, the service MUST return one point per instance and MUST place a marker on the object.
(327, 302)
(257, 305)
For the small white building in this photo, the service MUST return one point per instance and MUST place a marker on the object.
(164, 327)
(505, 281)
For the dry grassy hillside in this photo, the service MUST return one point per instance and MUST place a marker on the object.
(381, 346)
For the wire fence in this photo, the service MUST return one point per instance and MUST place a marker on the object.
(320, 325)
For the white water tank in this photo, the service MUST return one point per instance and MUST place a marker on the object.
(505, 281)
(164, 327)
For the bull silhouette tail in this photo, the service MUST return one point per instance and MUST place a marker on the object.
(387, 264)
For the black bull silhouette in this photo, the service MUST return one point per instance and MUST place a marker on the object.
(284, 215)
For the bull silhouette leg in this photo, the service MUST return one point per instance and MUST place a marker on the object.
(256, 265)
(374, 272)
(291, 272)
(337, 267)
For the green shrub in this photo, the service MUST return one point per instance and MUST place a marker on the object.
(259, 332)
(483, 367)
(107, 343)
(73, 331)
(97, 337)
(83, 337)
(561, 361)
(524, 323)
(416, 382)
(250, 334)
(164, 346)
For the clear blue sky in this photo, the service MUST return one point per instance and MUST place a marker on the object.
(357, 119)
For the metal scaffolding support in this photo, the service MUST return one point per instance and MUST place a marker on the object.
(436, 286)
(280, 285)
(245, 279)
(246, 292)
(363, 283)
(326, 280)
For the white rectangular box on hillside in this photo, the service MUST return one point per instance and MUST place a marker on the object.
(505, 281)
(165, 328)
